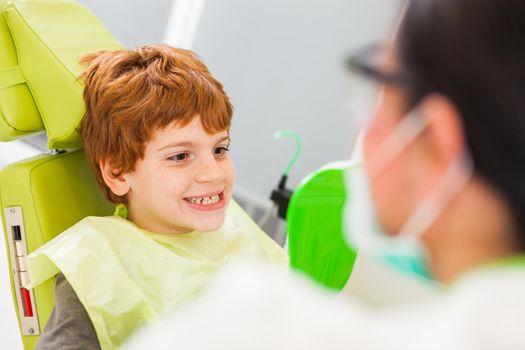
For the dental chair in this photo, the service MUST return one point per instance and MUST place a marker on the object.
(40, 197)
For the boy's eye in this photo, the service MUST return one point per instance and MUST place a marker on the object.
(179, 157)
(220, 151)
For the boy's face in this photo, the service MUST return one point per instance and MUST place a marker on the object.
(184, 182)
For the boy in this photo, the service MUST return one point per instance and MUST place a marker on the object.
(156, 135)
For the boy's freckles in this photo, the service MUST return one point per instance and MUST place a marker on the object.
(184, 182)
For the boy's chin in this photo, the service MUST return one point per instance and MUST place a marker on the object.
(210, 225)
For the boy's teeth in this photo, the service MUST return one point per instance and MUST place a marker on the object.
(205, 200)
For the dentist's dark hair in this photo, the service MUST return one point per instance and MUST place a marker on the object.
(473, 52)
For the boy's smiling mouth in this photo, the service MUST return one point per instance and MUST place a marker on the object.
(210, 201)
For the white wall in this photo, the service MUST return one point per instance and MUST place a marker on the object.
(133, 22)
(280, 61)
(282, 64)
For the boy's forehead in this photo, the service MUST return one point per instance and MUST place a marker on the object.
(194, 127)
(191, 133)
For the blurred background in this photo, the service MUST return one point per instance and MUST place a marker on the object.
(281, 62)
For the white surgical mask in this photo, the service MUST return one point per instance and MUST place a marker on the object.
(363, 231)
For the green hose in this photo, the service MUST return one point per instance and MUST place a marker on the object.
(290, 133)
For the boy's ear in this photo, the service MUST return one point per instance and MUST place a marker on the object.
(117, 183)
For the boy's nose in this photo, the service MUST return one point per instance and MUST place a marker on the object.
(210, 171)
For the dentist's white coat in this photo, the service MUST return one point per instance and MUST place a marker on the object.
(251, 307)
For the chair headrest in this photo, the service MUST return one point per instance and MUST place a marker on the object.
(41, 42)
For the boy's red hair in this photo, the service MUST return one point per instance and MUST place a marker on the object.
(131, 93)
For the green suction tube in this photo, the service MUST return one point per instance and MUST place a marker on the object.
(290, 133)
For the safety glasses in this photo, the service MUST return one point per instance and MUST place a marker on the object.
(364, 79)
(367, 61)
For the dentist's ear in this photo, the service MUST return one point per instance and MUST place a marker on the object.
(118, 183)
(445, 137)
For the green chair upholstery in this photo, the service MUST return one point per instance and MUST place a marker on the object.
(19, 115)
(44, 39)
(40, 197)
(53, 192)
(315, 228)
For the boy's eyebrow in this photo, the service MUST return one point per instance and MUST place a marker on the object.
(188, 144)
(176, 144)
(224, 139)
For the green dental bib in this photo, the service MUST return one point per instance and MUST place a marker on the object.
(125, 276)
